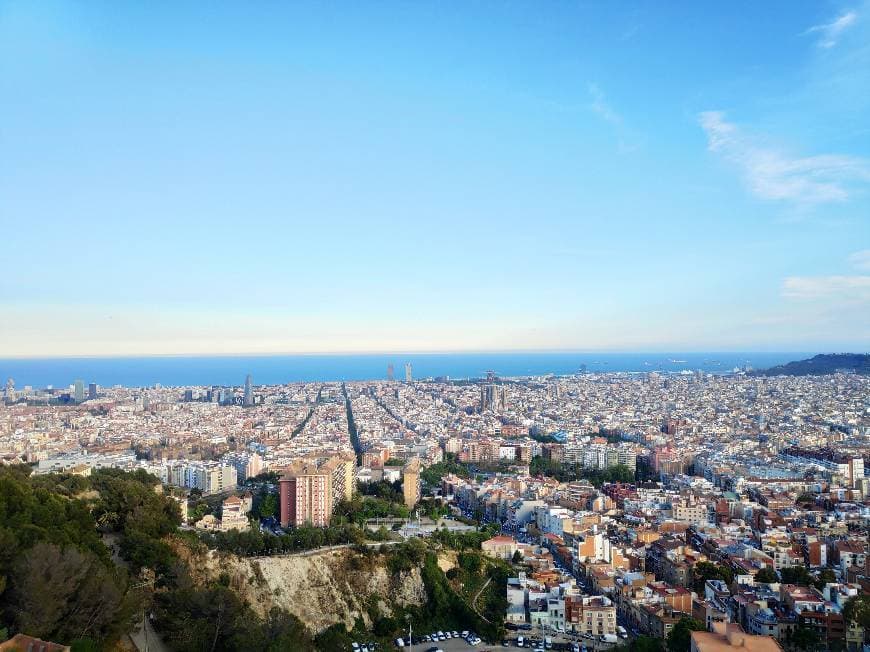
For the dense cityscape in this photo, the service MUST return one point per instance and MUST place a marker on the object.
(432, 326)
(613, 508)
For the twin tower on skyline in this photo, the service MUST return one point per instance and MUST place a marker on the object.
(409, 375)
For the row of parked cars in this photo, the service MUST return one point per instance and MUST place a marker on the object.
(364, 647)
(534, 643)
(470, 637)
(537, 645)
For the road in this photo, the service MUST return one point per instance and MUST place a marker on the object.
(318, 551)
(145, 639)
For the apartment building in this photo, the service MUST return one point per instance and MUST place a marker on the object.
(208, 477)
(499, 546)
(688, 512)
(305, 493)
(247, 464)
(411, 482)
(342, 470)
(590, 614)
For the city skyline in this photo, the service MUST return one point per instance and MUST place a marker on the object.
(427, 178)
(368, 326)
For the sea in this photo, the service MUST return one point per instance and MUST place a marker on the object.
(186, 371)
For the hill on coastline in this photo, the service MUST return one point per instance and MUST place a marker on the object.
(820, 365)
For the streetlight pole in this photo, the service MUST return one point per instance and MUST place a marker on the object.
(144, 623)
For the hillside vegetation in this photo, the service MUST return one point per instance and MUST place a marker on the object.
(58, 580)
(821, 365)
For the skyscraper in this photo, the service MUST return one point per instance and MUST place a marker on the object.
(249, 391)
(10, 390)
(408, 372)
(390, 372)
(92, 391)
(79, 391)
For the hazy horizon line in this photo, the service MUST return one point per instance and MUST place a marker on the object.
(260, 354)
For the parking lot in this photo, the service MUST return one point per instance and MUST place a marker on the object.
(452, 644)
(459, 645)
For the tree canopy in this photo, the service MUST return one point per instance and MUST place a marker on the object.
(57, 580)
(766, 576)
(705, 570)
(857, 610)
(570, 472)
(680, 637)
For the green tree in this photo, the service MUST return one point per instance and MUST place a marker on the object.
(333, 638)
(640, 644)
(805, 638)
(285, 631)
(766, 576)
(570, 472)
(65, 594)
(826, 576)
(857, 610)
(269, 505)
(213, 618)
(705, 570)
(470, 562)
(646, 644)
(680, 637)
(796, 575)
(432, 474)
(518, 557)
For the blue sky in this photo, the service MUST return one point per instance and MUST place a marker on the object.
(255, 177)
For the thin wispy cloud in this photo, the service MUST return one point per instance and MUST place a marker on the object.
(630, 33)
(860, 260)
(776, 175)
(601, 106)
(829, 33)
(627, 139)
(850, 289)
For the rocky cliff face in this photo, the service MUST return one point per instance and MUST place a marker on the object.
(321, 588)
